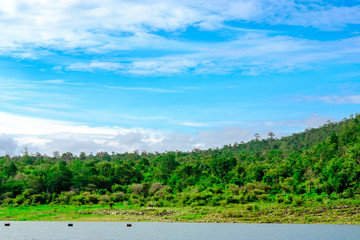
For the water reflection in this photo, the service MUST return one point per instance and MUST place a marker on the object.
(166, 231)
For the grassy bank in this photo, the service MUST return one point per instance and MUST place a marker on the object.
(334, 212)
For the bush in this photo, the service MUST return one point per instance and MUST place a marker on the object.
(154, 204)
(66, 196)
(8, 201)
(256, 186)
(169, 197)
(319, 199)
(104, 198)
(28, 192)
(264, 197)
(102, 191)
(117, 188)
(289, 199)
(92, 198)
(27, 202)
(37, 198)
(164, 191)
(137, 189)
(118, 197)
(19, 199)
(215, 200)
(155, 187)
(81, 199)
(279, 198)
(235, 189)
(249, 207)
(7, 195)
(298, 201)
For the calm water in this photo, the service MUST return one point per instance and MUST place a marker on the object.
(173, 231)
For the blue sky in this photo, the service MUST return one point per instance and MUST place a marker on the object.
(159, 75)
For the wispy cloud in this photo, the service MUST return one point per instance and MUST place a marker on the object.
(46, 136)
(250, 54)
(55, 81)
(195, 124)
(36, 28)
(145, 89)
(314, 120)
(335, 99)
(7, 145)
(95, 65)
(208, 123)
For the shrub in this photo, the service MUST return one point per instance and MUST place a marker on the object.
(8, 201)
(102, 191)
(235, 189)
(104, 198)
(81, 199)
(19, 199)
(137, 189)
(264, 197)
(37, 198)
(256, 186)
(279, 198)
(28, 192)
(66, 196)
(164, 191)
(7, 195)
(155, 187)
(154, 204)
(92, 199)
(298, 201)
(249, 207)
(118, 197)
(289, 199)
(215, 200)
(117, 188)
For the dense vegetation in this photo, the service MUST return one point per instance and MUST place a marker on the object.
(318, 164)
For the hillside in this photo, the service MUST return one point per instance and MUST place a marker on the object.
(318, 163)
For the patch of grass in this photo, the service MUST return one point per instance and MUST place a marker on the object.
(340, 211)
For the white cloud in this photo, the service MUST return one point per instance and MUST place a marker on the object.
(39, 29)
(95, 65)
(46, 136)
(30, 26)
(55, 81)
(208, 123)
(145, 89)
(7, 145)
(328, 18)
(161, 67)
(289, 126)
(250, 54)
(334, 99)
(194, 124)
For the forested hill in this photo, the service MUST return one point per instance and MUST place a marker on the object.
(297, 141)
(318, 162)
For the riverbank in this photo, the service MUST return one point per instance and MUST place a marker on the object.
(332, 212)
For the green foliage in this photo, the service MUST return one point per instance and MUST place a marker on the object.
(322, 162)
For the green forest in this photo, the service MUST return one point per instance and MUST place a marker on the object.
(318, 164)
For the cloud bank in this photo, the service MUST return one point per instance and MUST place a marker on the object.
(41, 29)
(47, 136)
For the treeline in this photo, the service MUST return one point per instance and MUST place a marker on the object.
(315, 164)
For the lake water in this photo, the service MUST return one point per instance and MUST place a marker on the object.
(173, 231)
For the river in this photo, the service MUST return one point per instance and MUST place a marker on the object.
(173, 231)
